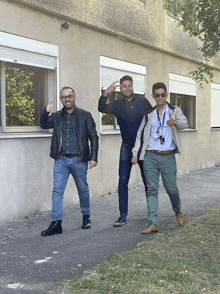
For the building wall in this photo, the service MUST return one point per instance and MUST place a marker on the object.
(132, 31)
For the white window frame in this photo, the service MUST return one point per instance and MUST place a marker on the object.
(179, 84)
(25, 51)
(111, 70)
(215, 106)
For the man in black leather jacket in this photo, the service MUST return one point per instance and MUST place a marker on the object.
(73, 128)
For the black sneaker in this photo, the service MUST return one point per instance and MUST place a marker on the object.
(86, 222)
(121, 221)
(54, 228)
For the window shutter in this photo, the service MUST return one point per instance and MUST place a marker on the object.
(28, 58)
(215, 105)
(22, 50)
(113, 70)
(182, 85)
(109, 75)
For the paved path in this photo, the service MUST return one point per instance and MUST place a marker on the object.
(33, 264)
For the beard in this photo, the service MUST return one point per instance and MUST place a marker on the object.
(127, 97)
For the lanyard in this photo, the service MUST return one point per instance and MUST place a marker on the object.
(161, 125)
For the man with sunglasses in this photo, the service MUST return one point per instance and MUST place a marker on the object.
(157, 141)
(73, 129)
(129, 112)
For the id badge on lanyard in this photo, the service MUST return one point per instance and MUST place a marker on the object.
(160, 126)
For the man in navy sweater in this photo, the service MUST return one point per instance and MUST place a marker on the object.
(129, 112)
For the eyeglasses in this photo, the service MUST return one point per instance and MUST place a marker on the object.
(158, 95)
(65, 97)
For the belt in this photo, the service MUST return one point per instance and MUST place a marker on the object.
(162, 153)
(70, 155)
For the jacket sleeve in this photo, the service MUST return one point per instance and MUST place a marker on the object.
(93, 138)
(179, 117)
(104, 107)
(46, 120)
(149, 106)
(137, 145)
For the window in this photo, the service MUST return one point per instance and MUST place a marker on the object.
(112, 70)
(28, 82)
(183, 91)
(215, 105)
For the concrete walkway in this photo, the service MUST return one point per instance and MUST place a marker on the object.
(33, 264)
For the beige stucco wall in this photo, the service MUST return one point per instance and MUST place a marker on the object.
(143, 22)
(26, 176)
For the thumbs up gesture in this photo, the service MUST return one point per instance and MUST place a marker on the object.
(49, 107)
(171, 122)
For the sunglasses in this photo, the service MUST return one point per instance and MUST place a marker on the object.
(163, 95)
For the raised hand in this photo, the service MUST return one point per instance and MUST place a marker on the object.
(111, 88)
(49, 107)
(171, 122)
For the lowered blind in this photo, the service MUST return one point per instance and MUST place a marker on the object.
(110, 75)
(27, 51)
(28, 58)
(182, 85)
(215, 105)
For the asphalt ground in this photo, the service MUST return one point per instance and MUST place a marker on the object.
(33, 264)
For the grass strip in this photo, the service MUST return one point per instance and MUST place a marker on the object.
(186, 261)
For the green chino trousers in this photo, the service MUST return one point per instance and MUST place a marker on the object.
(154, 165)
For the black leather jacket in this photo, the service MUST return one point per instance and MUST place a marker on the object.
(85, 130)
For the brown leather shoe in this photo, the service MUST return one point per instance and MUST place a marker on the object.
(150, 229)
(180, 218)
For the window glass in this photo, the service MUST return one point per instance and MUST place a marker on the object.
(25, 94)
(188, 105)
(108, 119)
(0, 96)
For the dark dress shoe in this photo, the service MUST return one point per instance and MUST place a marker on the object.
(54, 228)
(86, 222)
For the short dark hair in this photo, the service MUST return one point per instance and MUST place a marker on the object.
(64, 88)
(126, 78)
(158, 86)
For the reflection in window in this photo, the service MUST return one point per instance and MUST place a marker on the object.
(25, 94)
(108, 120)
(188, 105)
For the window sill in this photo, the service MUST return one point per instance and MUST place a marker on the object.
(25, 135)
(215, 129)
(110, 132)
(188, 130)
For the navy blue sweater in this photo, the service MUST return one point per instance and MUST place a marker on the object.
(129, 114)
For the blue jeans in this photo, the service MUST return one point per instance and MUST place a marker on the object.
(154, 165)
(63, 167)
(125, 166)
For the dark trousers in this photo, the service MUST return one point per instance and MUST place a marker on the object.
(125, 166)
